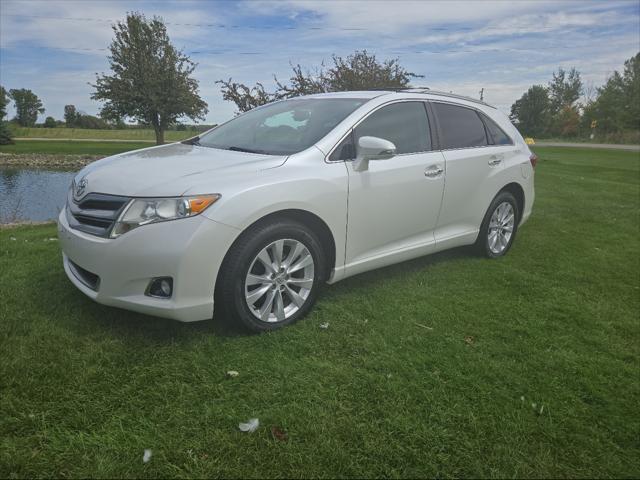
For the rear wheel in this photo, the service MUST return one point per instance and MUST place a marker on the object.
(271, 276)
(499, 226)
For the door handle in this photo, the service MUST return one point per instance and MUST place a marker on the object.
(433, 171)
(495, 160)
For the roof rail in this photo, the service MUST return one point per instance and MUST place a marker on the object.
(444, 94)
(430, 92)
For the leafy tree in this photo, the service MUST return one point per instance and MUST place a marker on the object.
(70, 115)
(50, 122)
(151, 80)
(617, 106)
(532, 111)
(4, 101)
(6, 137)
(564, 89)
(567, 121)
(245, 97)
(358, 71)
(28, 105)
(90, 121)
(5, 133)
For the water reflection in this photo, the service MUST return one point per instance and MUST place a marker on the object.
(32, 194)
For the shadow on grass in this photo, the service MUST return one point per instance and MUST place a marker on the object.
(370, 279)
(88, 318)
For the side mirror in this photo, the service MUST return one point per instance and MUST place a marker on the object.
(373, 148)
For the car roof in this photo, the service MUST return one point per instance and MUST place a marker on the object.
(400, 93)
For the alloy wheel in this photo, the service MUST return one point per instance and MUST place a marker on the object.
(279, 280)
(501, 227)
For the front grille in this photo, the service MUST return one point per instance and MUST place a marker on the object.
(88, 278)
(95, 213)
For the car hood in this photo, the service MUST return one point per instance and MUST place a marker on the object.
(171, 170)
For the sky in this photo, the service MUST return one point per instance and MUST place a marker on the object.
(55, 48)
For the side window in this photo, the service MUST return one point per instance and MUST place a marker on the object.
(405, 124)
(496, 133)
(345, 151)
(461, 127)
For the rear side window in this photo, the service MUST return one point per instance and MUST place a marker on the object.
(460, 127)
(496, 134)
(405, 124)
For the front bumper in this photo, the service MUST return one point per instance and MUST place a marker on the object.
(188, 250)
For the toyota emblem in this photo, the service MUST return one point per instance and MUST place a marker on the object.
(81, 187)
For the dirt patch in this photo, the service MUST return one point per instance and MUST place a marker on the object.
(41, 160)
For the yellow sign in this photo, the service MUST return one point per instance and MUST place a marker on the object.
(594, 124)
(529, 141)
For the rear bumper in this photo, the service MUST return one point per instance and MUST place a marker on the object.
(189, 250)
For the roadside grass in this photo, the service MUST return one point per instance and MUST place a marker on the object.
(71, 148)
(85, 133)
(446, 366)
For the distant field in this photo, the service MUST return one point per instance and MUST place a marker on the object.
(72, 148)
(83, 133)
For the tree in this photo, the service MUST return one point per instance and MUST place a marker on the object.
(70, 115)
(358, 71)
(50, 122)
(617, 106)
(531, 111)
(245, 97)
(28, 105)
(4, 101)
(151, 80)
(89, 121)
(5, 134)
(564, 89)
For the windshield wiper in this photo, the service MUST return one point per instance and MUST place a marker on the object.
(242, 149)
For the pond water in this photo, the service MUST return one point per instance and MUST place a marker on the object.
(32, 194)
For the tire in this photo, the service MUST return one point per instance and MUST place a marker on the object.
(245, 273)
(495, 239)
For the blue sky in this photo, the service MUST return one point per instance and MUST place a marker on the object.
(56, 47)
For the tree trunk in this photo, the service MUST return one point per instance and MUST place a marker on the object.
(158, 128)
(159, 135)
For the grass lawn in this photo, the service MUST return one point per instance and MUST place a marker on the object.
(72, 148)
(80, 133)
(446, 366)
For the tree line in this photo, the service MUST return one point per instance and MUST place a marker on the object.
(563, 107)
(151, 83)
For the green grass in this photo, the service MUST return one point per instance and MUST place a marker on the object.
(86, 388)
(71, 148)
(84, 133)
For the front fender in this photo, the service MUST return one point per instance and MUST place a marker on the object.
(318, 188)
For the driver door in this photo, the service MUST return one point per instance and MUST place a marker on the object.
(394, 203)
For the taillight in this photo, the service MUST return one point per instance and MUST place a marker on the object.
(533, 158)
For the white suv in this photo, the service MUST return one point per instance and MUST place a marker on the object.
(260, 211)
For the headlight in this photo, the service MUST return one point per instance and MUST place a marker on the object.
(142, 211)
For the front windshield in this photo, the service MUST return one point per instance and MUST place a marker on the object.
(281, 128)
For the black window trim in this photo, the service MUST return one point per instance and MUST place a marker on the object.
(430, 121)
(484, 116)
(486, 130)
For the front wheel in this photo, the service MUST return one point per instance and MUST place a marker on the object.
(499, 226)
(271, 276)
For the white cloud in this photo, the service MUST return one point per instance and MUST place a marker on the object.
(462, 46)
(61, 25)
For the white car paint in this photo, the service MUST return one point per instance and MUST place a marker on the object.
(392, 211)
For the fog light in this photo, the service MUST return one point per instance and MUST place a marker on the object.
(161, 287)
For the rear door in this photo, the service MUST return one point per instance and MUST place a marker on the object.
(394, 204)
(473, 168)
